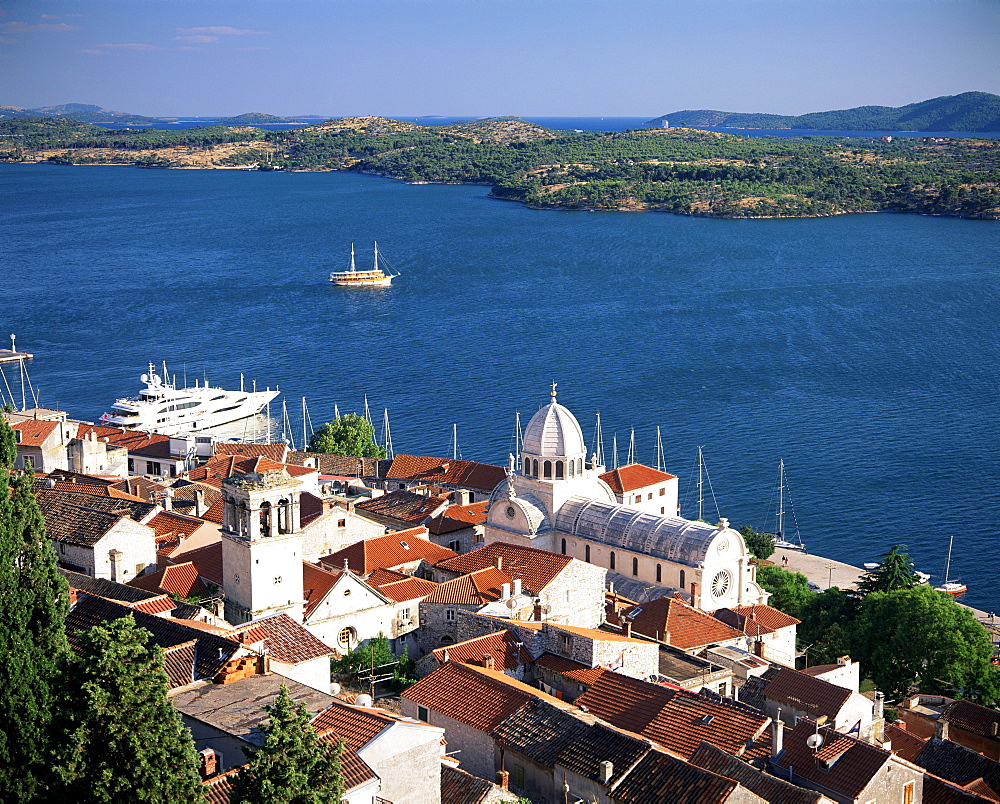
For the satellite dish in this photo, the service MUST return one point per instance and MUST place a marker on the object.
(335, 688)
(144, 378)
(512, 603)
(814, 741)
(363, 700)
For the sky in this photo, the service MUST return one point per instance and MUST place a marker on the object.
(618, 58)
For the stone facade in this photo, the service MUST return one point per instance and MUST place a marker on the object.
(407, 759)
(337, 528)
(127, 550)
(477, 749)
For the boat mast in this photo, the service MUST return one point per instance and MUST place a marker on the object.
(599, 443)
(352, 258)
(454, 442)
(614, 450)
(781, 498)
(386, 435)
(375, 266)
(517, 439)
(701, 496)
(631, 447)
(660, 461)
(947, 566)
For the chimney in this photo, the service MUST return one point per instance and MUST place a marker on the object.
(628, 628)
(758, 648)
(606, 772)
(777, 735)
(536, 612)
(445, 656)
(199, 502)
(505, 591)
(502, 779)
(167, 500)
(516, 590)
(666, 637)
(498, 562)
(209, 762)
(843, 661)
(488, 661)
(723, 523)
(879, 712)
(943, 730)
(694, 594)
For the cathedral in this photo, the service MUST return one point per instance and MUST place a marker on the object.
(558, 502)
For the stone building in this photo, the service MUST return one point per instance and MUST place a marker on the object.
(554, 499)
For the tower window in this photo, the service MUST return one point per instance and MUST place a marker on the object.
(547, 470)
(682, 579)
(612, 560)
(564, 547)
(559, 470)
(586, 553)
(659, 573)
(635, 566)
(534, 467)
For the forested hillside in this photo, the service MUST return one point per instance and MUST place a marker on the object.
(678, 170)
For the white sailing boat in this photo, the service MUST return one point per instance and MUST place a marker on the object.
(950, 587)
(780, 542)
(376, 276)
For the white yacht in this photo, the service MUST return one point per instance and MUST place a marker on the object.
(162, 407)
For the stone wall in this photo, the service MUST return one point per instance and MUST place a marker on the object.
(476, 752)
(576, 595)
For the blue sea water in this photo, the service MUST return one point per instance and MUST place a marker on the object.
(862, 349)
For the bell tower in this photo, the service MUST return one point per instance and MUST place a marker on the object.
(261, 546)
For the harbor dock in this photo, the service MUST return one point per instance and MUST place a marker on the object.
(10, 356)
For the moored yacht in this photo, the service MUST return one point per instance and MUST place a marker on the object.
(376, 276)
(162, 407)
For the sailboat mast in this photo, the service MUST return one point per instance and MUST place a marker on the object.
(387, 435)
(599, 443)
(947, 566)
(660, 462)
(454, 442)
(701, 496)
(375, 265)
(631, 447)
(781, 498)
(352, 258)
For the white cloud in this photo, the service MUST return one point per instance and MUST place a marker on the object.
(41, 27)
(59, 16)
(128, 46)
(222, 30)
(198, 39)
(91, 52)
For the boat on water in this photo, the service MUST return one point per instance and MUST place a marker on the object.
(950, 587)
(781, 539)
(376, 276)
(162, 407)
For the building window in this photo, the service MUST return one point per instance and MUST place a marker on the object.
(173, 470)
(908, 793)
(131, 464)
(547, 470)
(455, 546)
(566, 643)
(572, 466)
(663, 491)
(682, 584)
(563, 551)
(400, 486)
(612, 560)
(659, 573)
(663, 510)
(404, 614)
(638, 498)
(449, 615)
(559, 470)
(586, 553)
(649, 496)
(422, 714)
(346, 636)
(534, 467)
(635, 565)
(341, 523)
(517, 777)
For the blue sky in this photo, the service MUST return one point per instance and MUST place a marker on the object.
(493, 57)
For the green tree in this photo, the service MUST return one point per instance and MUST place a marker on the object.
(894, 571)
(349, 434)
(33, 606)
(377, 653)
(921, 637)
(790, 591)
(292, 766)
(119, 737)
(759, 544)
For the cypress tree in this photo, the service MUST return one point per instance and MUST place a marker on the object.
(120, 738)
(33, 606)
(293, 766)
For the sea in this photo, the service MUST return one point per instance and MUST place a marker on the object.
(860, 349)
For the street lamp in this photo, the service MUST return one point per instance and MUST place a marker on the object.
(829, 574)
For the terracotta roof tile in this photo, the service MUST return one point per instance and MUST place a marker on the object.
(316, 582)
(137, 442)
(215, 512)
(756, 619)
(176, 579)
(348, 466)
(458, 517)
(171, 526)
(403, 506)
(634, 476)
(972, 717)
(567, 667)
(354, 725)
(675, 622)
(84, 519)
(659, 777)
(475, 696)
(275, 452)
(540, 731)
(603, 743)
(475, 589)
(815, 696)
(958, 764)
(404, 591)
(207, 561)
(179, 663)
(676, 719)
(939, 791)
(99, 587)
(507, 650)
(286, 640)
(536, 568)
(903, 742)
(155, 605)
(32, 432)
(770, 788)
(391, 550)
(446, 471)
(854, 765)
(461, 787)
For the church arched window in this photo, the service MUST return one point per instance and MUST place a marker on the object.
(559, 470)
(682, 584)
(534, 468)
(612, 559)
(572, 466)
(564, 547)
(659, 573)
(635, 566)
(547, 470)
(579, 466)
(586, 553)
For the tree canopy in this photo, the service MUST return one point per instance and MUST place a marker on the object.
(33, 606)
(292, 766)
(120, 738)
(894, 571)
(759, 544)
(349, 434)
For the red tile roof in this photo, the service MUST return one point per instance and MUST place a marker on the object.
(285, 639)
(474, 696)
(972, 717)
(903, 742)
(403, 506)
(135, 441)
(634, 476)
(391, 550)
(577, 671)
(676, 623)
(757, 619)
(659, 777)
(154, 605)
(215, 512)
(207, 561)
(676, 719)
(475, 589)
(354, 725)
(854, 763)
(275, 452)
(815, 696)
(445, 471)
(316, 582)
(405, 590)
(173, 527)
(536, 568)
(33, 433)
(459, 517)
(175, 579)
(507, 650)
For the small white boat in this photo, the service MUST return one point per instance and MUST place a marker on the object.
(950, 587)
(162, 407)
(376, 276)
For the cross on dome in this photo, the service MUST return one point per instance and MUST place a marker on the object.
(553, 392)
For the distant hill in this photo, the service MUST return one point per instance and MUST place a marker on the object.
(84, 112)
(970, 111)
(255, 119)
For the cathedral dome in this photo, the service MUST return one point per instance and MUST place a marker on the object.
(554, 431)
